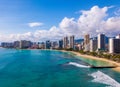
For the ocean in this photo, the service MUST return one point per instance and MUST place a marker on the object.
(49, 68)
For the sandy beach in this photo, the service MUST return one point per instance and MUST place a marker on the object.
(96, 58)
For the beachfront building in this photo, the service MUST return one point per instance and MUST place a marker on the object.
(7, 45)
(35, 45)
(86, 39)
(47, 44)
(60, 44)
(101, 42)
(25, 44)
(93, 45)
(71, 41)
(114, 45)
(80, 47)
(65, 42)
(42, 45)
(87, 42)
(54, 44)
(16, 44)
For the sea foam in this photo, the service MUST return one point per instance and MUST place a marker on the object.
(78, 65)
(100, 77)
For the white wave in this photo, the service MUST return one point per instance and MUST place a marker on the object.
(100, 77)
(78, 65)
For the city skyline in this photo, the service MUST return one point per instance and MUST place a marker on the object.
(43, 19)
(94, 44)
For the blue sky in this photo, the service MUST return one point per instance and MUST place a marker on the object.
(15, 15)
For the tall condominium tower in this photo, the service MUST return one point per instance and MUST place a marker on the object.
(93, 45)
(25, 44)
(71, 42)
(54, 44)
(86, 42)
(65, 42)
(60, 43)
(114, 45)
(101, 42)
(86, 39)
(16, 44)
(47, 44)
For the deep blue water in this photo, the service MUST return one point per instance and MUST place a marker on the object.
(45, 68)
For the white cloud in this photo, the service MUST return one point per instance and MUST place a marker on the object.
(35, 24)
(69, 25)
(93, 21)
(117, 12)
(111, 26)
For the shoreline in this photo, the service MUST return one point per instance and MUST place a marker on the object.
(97, 58)
(86, 56)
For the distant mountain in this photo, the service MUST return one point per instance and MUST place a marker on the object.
(79, 40)
(107, 39)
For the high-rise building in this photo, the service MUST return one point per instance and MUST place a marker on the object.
(87, 42)
(54, 44)
(71, 42)
(7, 45)
(93, 45)
(47, 44)
(25, 44)
(101, 42)
(3, 44)
(86, 39)
(16, 44)
(60, 43)
(114, 45)
(65, 42)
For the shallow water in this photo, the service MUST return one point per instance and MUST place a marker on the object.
(44, 68)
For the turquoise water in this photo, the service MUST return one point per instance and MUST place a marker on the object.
(44, 68)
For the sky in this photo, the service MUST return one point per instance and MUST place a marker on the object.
(39, 20)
